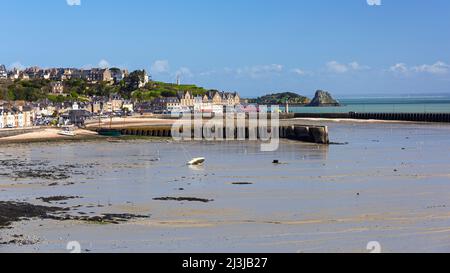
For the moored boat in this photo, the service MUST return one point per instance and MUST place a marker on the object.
(197, 161)
(67, 131)
(110, 132)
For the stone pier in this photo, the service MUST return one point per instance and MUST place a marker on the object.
(305, 133)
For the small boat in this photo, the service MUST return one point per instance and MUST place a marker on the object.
(110, 132)
(197, 161)
(67, 131)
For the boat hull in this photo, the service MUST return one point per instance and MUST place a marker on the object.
(197, 161)
(67, 134)
(109, 132)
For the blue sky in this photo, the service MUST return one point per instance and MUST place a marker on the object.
(251, 46)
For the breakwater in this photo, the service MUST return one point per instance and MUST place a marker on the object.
(305, 133)
(419, 117)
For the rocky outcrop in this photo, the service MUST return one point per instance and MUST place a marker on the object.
(323, 99)
(281, 99)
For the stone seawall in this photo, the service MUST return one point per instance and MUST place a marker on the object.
(420, 117)
(306, 133)
(15, 132)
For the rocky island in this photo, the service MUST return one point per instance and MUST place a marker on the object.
(323, 99)
(282, 98)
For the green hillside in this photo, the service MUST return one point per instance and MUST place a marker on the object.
(77, 89)
(160, 89)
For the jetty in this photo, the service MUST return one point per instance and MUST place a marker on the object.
(304, 133)
(417, 117)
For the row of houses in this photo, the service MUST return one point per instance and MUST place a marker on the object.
(107, 106)
(12, 117)
(212, 101)
(98, 106)
(94, 75)
(47, 108)
(184, 101)
(20, 114)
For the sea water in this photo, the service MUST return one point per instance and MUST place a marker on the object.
(436, 104)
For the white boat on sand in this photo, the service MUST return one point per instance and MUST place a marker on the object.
(197, 161)
(67, 131)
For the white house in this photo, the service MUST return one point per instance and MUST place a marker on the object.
(10, 120)
(29, 118)
(46, 75)
(3, 72)
(144, 79)
(201, 106)
(15, 119)
(217, 109)
(128, 105)
(20, 120)
(14, 74)
(2, 119)
(118, 74)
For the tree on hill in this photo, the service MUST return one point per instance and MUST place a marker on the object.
(154, 90)
(31, 90)
(132, 83)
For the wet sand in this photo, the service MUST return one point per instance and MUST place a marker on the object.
(390, 183)
(49, 134)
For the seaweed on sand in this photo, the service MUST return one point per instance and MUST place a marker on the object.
(181, 199)
(12, 212)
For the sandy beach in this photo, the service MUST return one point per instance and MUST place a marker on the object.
(48, 134)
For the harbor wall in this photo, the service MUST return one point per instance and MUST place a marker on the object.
(305, 133)
(16, 132)
(419, 117)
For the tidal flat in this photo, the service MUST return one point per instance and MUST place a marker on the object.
(389, 183)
